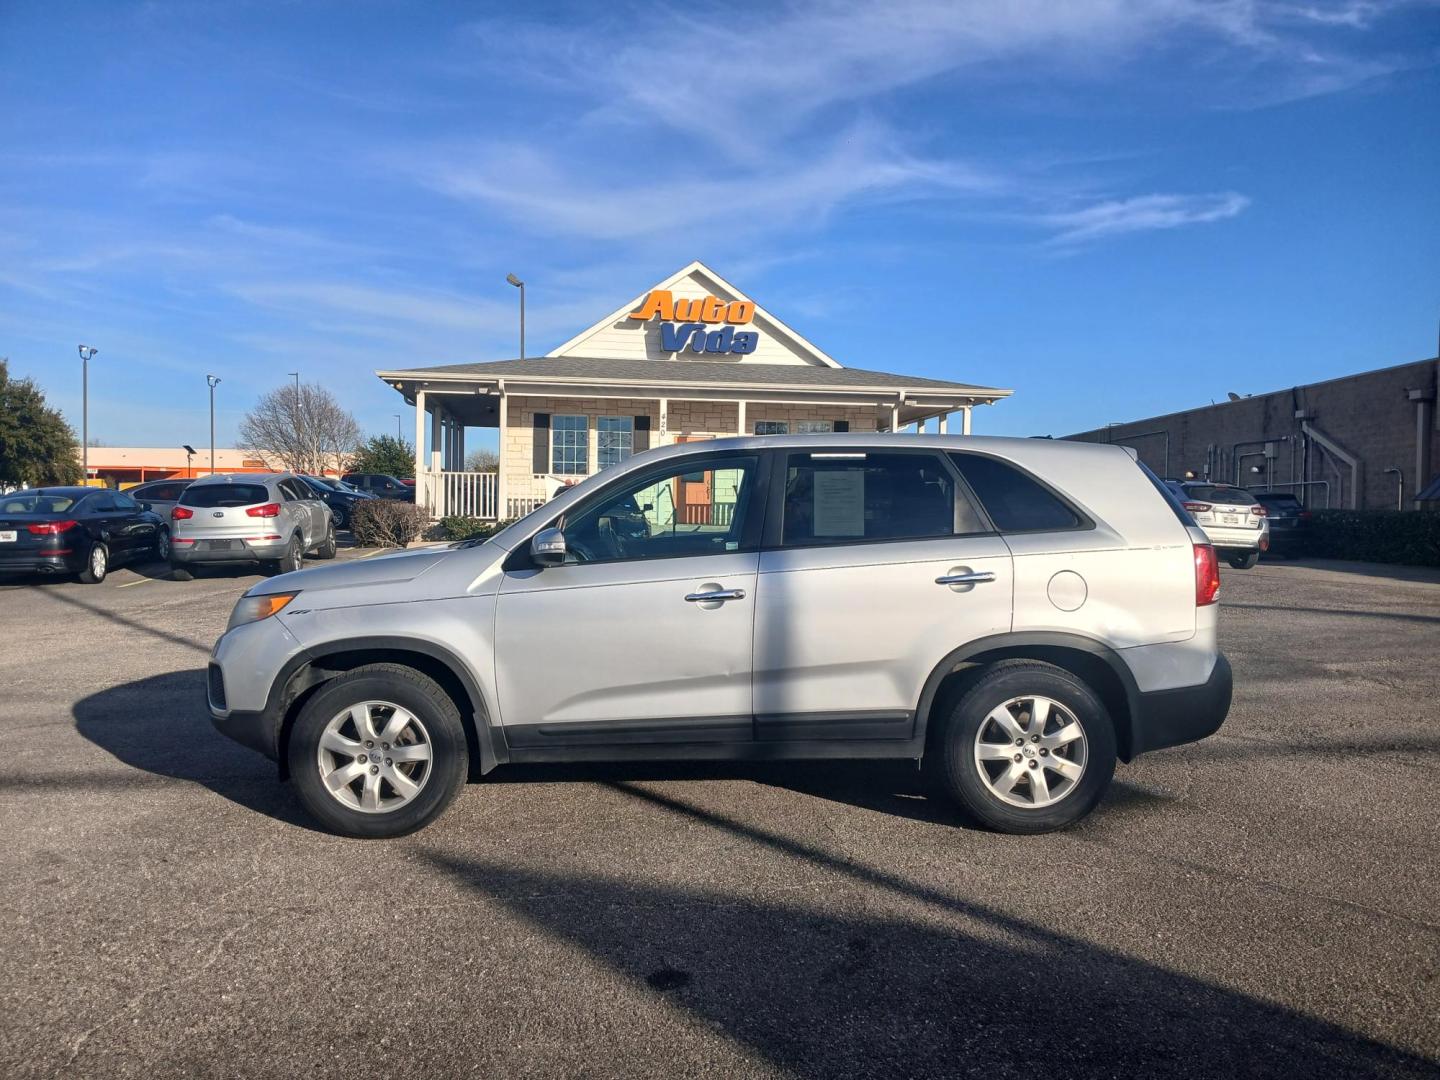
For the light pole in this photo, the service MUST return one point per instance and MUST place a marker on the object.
(86, 352)
(398, 436)
(213, 382)
(513, 280)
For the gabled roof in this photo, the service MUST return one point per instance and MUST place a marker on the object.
(709, 373)
(716, 284)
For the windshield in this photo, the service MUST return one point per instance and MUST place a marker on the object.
(36, 504)
(1231, 496)
(222, 495)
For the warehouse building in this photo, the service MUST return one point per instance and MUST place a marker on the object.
(1365, 441)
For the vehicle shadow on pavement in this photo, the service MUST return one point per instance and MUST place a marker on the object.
(943, 987)
(160, 725)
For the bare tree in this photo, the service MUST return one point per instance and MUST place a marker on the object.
(305, 430)
(482, 461)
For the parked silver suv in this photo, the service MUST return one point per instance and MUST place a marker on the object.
(268, 518)
(1015, 614)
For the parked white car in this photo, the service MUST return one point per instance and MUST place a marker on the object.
(1015, 614)
(1236, 522)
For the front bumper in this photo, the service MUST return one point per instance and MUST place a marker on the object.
(1186, 714)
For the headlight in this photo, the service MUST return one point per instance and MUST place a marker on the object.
(254, 608)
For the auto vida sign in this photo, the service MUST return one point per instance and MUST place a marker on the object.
(686, 323)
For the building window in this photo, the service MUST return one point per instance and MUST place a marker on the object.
(772, 427)
(615, 438)
(814, 427)
(569, 445)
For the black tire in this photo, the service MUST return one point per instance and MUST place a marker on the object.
(427, 702)
(162, 545)
(341, 521)
(97, 564)
(959, 773)
(181, 572)
(328, 548)
(1244, 562)
(293, 559)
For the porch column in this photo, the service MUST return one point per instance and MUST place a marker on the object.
(894, 419)
(501, 487)
(942, 423)
(422, 477)
(460, 444)
(740, 417)
(965, 420)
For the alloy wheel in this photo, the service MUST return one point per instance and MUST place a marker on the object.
(99, 562)
(1031, 751)
(374, 757)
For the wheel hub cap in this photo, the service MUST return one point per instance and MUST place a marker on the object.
(375, 757)
(1031, 751)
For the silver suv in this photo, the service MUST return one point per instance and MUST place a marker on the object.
(1015, 614)
(271, 519)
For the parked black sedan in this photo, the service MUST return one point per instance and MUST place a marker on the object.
(340, 497)
(76, 530)
(1289, 522)
(381, 485)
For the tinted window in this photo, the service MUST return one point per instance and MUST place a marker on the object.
(834, 497)
(1015, 501)
(1279, 502)
(1211, 493)
(124, 501)
(100, 503)
(221, 495)
(700, 511)
(36, 504)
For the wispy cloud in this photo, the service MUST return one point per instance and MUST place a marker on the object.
(1142, 213)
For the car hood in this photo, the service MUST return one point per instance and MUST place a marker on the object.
(392, 568)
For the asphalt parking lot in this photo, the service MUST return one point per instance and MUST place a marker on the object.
(1265, 902)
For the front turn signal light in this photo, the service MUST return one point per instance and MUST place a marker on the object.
(254, 608)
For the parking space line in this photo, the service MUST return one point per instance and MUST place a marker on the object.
(142, 581)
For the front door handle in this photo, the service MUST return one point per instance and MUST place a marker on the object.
(970, 577)
(715, 594)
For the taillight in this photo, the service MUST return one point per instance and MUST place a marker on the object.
(1198, 508)
(179, 513)
(1259, 511)
(1304, 515)
(1207, 575)
(268, 510)
(50, 528)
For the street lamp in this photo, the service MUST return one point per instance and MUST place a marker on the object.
(296, 376)
(513, 280)
(189, 460)
(398, 436)
(213, 382)
(86, 352)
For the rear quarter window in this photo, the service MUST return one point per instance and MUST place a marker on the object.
(206, 496)
(1015, 501)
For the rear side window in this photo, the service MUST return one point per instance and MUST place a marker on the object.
(836, 497)
(1230, 496)
(222, 495)
(1015, 501)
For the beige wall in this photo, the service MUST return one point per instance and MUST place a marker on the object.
(717, 418)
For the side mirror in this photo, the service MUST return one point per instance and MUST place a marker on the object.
(144, 506)
(548, 547)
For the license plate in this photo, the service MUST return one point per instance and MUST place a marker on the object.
(1229, 519)
(7, 536)
(221, 545)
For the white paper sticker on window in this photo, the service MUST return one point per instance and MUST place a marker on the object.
(840, 502)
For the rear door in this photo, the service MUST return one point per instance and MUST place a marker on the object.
(303, 508)
(877, 565)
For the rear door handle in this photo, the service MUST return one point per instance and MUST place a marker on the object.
(716, 594)
(972, 577)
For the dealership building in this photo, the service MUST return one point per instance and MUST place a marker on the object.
(689, 359)
(1361, 442)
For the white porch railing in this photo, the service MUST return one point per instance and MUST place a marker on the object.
(477, 494)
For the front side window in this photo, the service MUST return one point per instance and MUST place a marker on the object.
(124, 502)
(569, 445)
(836, 497)
(700, 511)
(772, 427)
(615, 439)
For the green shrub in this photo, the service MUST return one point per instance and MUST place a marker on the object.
(386, 523)
(468, 528)
(1388, 536)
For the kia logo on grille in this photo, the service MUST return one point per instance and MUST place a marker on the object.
(218, 513)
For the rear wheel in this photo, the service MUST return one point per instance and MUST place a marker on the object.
(1246, 561)
(1030, 748)
(97, 564)
(378, 752)
(292, 560)
(328, 548)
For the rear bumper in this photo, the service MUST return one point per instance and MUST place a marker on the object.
(1186, 714)
(247, 552)
(1226, 539)
(36, 562)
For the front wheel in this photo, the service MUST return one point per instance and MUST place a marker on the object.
(1246, 561)
(1029, 748)
(328, 548)
(162, 545)
(378, 752)
(97, 564)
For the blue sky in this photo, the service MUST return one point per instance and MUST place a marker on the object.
(1118, 208)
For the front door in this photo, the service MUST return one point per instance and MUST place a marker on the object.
(644, 634)
(879, 566)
